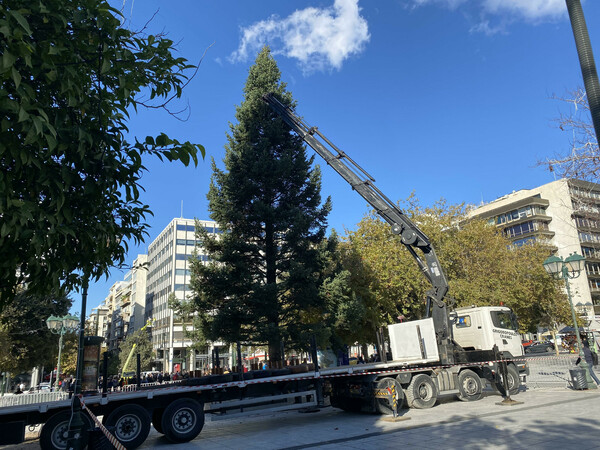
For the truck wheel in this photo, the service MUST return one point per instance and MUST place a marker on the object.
(183, 420)
(421, 393)
(383, 405)
(514, 381)
(56, 431)
(157, 415)
(132, 424)
(469, 386)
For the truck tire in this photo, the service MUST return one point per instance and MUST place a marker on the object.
(469, 386)
(157, 415)
(183, 420)
(131, 423)
(382, 404)
(421, 393)
(55, 431)
(514, 381)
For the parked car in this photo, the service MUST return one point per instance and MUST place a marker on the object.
(528, 343)
(540, 347)
(42, 387)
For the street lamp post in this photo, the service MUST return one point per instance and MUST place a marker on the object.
(566, 269)
(60, 326)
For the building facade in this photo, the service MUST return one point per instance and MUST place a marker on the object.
(565, 215)
(169, 273)
(133, 302)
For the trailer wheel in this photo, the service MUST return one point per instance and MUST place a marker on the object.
(157, 415)
(132, 424)
(421, 393)
(183, 420)
(56, 431)
(469, 386)
(383, 405)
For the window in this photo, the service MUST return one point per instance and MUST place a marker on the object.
(504, 319)
(463, 321)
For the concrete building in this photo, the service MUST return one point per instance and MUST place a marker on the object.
(169, 273)
(133, 301)
(99, 321)
(115, 332)
(565, 215)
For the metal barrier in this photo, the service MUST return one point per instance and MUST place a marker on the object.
(550, 371)
(28, 399)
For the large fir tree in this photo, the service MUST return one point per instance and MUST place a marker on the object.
(262, 285)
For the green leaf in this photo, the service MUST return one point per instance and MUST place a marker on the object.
(23, 115)
(22, 21)
(8, 59)
(105, 65)
(16, 77)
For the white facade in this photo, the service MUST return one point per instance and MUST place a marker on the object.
(134, 305)
(565, 214)
(169, 273)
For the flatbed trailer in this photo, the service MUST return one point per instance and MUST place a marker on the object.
(178, 410)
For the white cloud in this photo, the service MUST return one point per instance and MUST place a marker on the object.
(494, 15)
(320, 39)
(533, 10)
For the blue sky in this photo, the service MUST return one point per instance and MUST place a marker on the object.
(444, 98)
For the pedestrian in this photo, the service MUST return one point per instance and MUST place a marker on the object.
(19, 390)
(160, 377)
(589, 359)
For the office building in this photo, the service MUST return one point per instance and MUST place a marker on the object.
(565, 215)
(169, 273)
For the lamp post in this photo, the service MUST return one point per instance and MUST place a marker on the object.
(60, 326)
(566, 269)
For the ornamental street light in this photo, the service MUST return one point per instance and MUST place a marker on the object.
(566, 269)
(60, 326)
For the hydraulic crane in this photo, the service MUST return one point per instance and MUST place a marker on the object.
(415, 241)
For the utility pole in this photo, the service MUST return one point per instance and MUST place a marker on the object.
(586, 60)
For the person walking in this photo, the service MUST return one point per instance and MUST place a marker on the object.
(589, 359)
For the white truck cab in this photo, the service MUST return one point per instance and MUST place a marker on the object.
(482, 327)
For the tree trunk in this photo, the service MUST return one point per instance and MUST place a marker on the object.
(273, 312)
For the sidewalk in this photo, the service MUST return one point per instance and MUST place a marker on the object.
(547, 419)
(556, 418)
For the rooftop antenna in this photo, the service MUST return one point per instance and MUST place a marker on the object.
(182, 209)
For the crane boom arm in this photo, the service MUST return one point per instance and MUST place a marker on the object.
(411, 236)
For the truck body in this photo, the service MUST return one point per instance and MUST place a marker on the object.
(454, 353)
(179, 410)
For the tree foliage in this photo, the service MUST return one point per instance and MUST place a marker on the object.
(70, 75)
(143, 346)
(351, 312)
(582, 160)
(481, 266)
(25, 340)
(262, 286)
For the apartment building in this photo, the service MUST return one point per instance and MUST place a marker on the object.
(99, 322)
(169, 273)
(565, 215)
(115, 331)
(133, 302)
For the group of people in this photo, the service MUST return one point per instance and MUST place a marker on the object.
(159, 377)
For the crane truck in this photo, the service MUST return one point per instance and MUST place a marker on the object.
(447, 353)
(456, 339)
